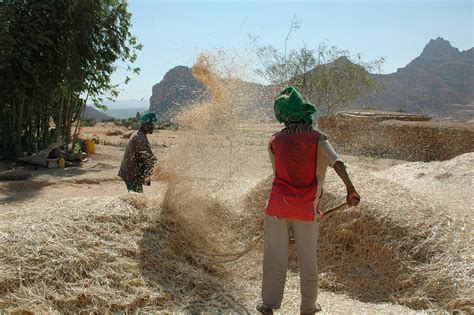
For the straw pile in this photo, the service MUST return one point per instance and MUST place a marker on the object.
(447, 183)
(393, 247)
(99, 255)
(405, 140)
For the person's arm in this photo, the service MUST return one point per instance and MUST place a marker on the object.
(146, 158)
(353, 197)
(145, 151)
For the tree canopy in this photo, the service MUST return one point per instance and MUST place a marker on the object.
(54, 55)
(329, 77)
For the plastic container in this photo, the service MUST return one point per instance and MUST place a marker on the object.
(90, 146)
(52, 163)
(61, 162)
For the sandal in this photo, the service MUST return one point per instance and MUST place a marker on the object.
(265, 310)
(317, 308)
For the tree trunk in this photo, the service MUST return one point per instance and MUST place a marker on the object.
(46, 124)
(65, 117)
(17, 133)
(10, 134)
(78, 123)
(59, 118)
(29, 135)
(69, 119)
(38, 120)
(13, 130)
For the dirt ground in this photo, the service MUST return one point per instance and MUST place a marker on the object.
(98, 178)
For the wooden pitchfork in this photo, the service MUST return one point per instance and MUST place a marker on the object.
(331, 211)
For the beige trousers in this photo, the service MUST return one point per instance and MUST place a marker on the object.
(275, 261)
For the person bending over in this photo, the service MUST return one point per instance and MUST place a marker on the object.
(138, 159)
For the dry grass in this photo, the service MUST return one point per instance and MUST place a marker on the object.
(99, 255)
(448, 183)
(131, 254)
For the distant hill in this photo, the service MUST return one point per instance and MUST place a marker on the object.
(120, 109)
(130, 103)
(93, 113)
(438, 83)
(123, 113)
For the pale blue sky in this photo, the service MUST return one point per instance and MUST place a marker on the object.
(174, 32)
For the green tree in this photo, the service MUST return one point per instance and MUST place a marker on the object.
(329, 77)
(54, 55)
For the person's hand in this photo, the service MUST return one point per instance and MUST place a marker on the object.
(353, 197)
(318, 216)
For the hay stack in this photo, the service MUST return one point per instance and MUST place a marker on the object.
(104, 255)
(127, 135)
(405, 140)
(448, 183)
(115, 132)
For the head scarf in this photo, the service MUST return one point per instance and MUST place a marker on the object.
(290, 106)
(148, 117)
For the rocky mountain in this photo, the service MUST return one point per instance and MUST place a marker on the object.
(180, 89)
(438, 83)
(177, 89)
(439, 48)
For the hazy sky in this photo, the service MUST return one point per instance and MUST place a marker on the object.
(174, 32)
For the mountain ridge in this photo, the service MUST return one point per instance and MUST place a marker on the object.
(94, 114)
(438, 83)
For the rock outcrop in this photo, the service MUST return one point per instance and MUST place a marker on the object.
(439, 48)
(177, 89)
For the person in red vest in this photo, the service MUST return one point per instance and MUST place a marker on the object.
(300, 156)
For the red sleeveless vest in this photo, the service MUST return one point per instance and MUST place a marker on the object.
(294, 187)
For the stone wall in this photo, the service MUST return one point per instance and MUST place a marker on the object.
(404, 137)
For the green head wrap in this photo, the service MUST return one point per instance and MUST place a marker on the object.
(148, 117)
(290, 106)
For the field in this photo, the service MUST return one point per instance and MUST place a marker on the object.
(74, 240)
